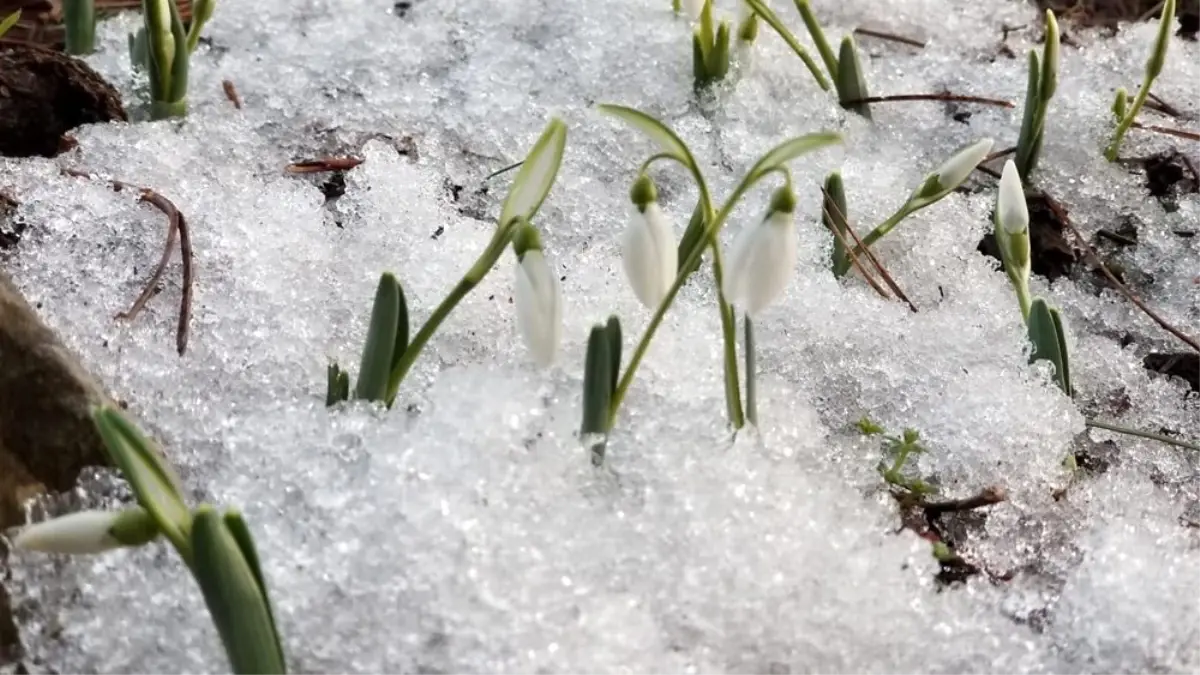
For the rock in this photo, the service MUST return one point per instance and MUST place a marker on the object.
(43, 95)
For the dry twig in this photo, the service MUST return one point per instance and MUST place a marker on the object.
(931, 97)
(882, 35)
(231, 93)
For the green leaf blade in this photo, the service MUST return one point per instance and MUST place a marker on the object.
(789, 150)
(851, 83)
(377, 355)
(536, 176)
(1048, 344)
(834, 213)
(245, 541)
(9, 21)
(658, 132)
(598, 380)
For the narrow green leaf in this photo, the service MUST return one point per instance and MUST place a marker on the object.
(699, 62)
(139, 55)
(773, 21)
(9, 21)
(179, 66)
(657, 131)
(834, 214)
(378, 352)
(718, 59)
(789, 150)
(337, 385)
(851, 83)
(402, 328)
(613, 335)
(234, 597)
(1047, 344)
(537, 174)
(693, 236)
(1064, 356)
(597, 382)
(245, 541)
(156, 486)
(1158, 57)
(707, 36)
(79, 19)
(1027, 141)
(1050, 52)
(818, 38)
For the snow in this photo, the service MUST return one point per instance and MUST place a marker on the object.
(465, 529)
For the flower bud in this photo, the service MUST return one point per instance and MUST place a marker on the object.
(959, 167)
(88, 532)
(1011, 212)
(648, 249)
(762, 259)
(538, 298)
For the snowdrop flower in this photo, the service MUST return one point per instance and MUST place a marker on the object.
(1011, 212)
(88, 532)
(957, 168)
(763, 257)
(538, 298)
(693, 8)
(648, 249)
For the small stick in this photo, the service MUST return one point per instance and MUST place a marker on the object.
(1061, 214)
(889, 36)
(231, 93)
(1116, 238)
(887, 278)
(870, 256)
(1156, 103)
(1178, 133)
(857, 264)
(998, 154)
(986, 497)
(931, 97)
(176, 226)
(323, 164)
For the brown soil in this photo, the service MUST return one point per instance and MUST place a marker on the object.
(1111, 12)
(42, 20)
(43, 95)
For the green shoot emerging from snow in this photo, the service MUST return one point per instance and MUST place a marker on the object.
(1043, 81)
(604, 391)
(79, 19)
(894, 467)
(9, 21)
(933, 189)
(710, 49)
(1126, 114)
(164, 48)
(217, 548)
(388, 353)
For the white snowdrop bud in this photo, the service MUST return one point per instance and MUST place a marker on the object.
(957, 168)
(693, 8)
(648, 249)
(88, 532)
(1011, 212)
(762, 259)
(538, 298)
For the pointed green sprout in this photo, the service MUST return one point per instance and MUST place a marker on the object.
(673, 148)
(226, 569)
(388, 353)
(79, 19)
(934, 188)
(710, 49)
(1158, 57)
(760, 8)
(834, 214)
(9, 21)
(851, 83)
(167, 58)
(600, 370)
(1042, 83)
(202, 11)
(1049, 342)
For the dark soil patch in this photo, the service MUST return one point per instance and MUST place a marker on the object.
(1096, 457)
(11, 227)
(1169, 175)
(1110, 13)
(1051, 256)
(43, 95)
(1185, 365)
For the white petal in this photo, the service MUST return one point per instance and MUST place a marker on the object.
(693, 8)
(650, 255)
(957, 168)
(539, 307)
(1011, 210)
(75, 533)
(761, 263)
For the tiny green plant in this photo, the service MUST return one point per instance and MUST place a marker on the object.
(388, 353)
(1042, 83)
(898, 450)
(217, 547)
(164, 49)
(1126, 114)
(79, 19)
(9, 21)
(935, 187)
(710, 49)
(844, 68)
(761, 262)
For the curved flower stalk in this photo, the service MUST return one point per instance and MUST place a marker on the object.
(648, 250)
(389, 354)
(217, 548)
(933, 189)
(1126, 114)
(1012, 233)
(1042, 83)
(537, 296)
(163, 48)
(604, 387)
(9, 21)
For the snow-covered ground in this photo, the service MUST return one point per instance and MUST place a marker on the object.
(466, 530)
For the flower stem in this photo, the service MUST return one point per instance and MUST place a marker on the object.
(1142, 434)
(774, 22)
(818, 37)
(1023, 297)
(1130, 115)
(751, 374)
(733, 395)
